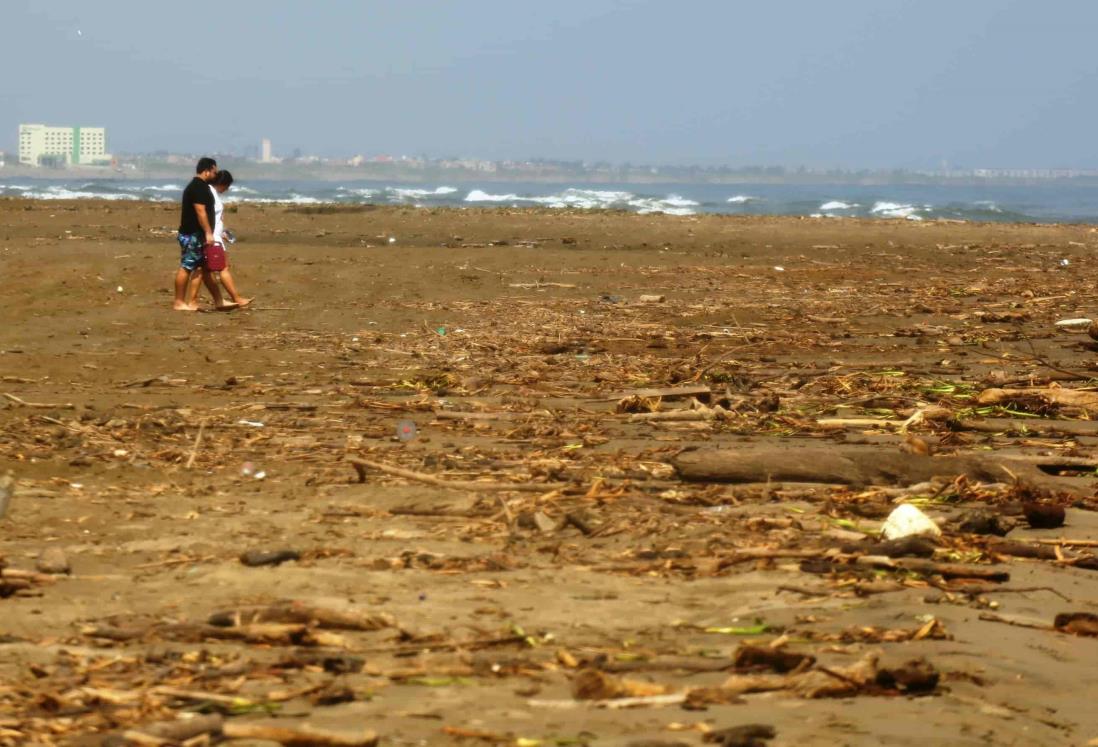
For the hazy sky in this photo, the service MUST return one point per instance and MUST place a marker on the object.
(858, 83)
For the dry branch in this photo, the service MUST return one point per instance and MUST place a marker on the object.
(361, 465)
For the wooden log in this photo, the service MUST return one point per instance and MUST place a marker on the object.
(674, 392)
(930, 568)
(296, 736)
(1032, 425)
(175, 732)
(297, 611)
(361, 465)
(1084, 400)
(853, 465)
(1022, 550)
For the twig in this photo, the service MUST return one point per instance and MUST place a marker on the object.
(39, 405)
(197, 443)
(361, 465)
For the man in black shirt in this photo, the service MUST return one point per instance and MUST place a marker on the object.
(195, 231)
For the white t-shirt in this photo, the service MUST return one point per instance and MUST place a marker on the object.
(219, 212)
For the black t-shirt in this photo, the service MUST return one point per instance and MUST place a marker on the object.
(197, 192)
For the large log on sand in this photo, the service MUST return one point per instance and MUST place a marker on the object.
(1035, 399)
(856, 466)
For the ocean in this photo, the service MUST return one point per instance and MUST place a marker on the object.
(1054, 202)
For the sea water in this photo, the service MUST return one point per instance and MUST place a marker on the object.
(1054, 202)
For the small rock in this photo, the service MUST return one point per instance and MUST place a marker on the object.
(748, 735)
(916, 676)
(268, 557)
(53, 560)
(544, 522)
(1043, 515)
(7, 490)
(985, 522)
(1077, 623)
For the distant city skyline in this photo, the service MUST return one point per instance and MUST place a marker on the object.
(872, 84)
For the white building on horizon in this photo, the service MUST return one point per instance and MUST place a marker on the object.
(73, 146)
(265, 150)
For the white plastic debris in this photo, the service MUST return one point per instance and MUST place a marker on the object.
(909, 521)
(779, 268)
(1079, 323)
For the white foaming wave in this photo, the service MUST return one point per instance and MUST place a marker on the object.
(585, 199)
(293, 199)
(649, 206)
(165, 188)
(60, 193)
(838, 205)
(20, 187)
(989, 205)
(362, 192)
(594, 199)
(678, 202)
(895, 210)
(245, 190)
(741, 199)
(478, 195)
(401, 193)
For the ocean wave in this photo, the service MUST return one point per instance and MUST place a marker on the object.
(60, 193)
(403, 193)
(741, 199)
(838, 205)
(895, 210)
(679, 202)
(293, 199)
(20, 187)
(165, 188)
(478, 195)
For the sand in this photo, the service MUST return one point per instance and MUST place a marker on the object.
(533, 314)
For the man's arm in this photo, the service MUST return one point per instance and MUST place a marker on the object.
(204, 221)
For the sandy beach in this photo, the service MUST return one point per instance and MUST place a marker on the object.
(550, 549)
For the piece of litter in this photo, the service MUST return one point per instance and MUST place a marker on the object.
(252, 423)
(909, 521)
(1079, 323)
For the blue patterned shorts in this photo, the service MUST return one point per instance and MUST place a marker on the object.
(190, 245)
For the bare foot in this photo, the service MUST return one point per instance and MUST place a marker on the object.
(242, 302)
(181, 306)
(228, 306)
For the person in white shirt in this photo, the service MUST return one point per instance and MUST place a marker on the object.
(219, 186)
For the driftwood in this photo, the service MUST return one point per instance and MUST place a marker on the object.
(293, 611)
(929, 567)
(1032, 425)
(1022, 550)
(674, 392)
(1082, 399)
(175, 732)
(856, 466)
(361, 465)
(296, 736)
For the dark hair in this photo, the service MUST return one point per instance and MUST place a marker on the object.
(224, 179)
(204, 164)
